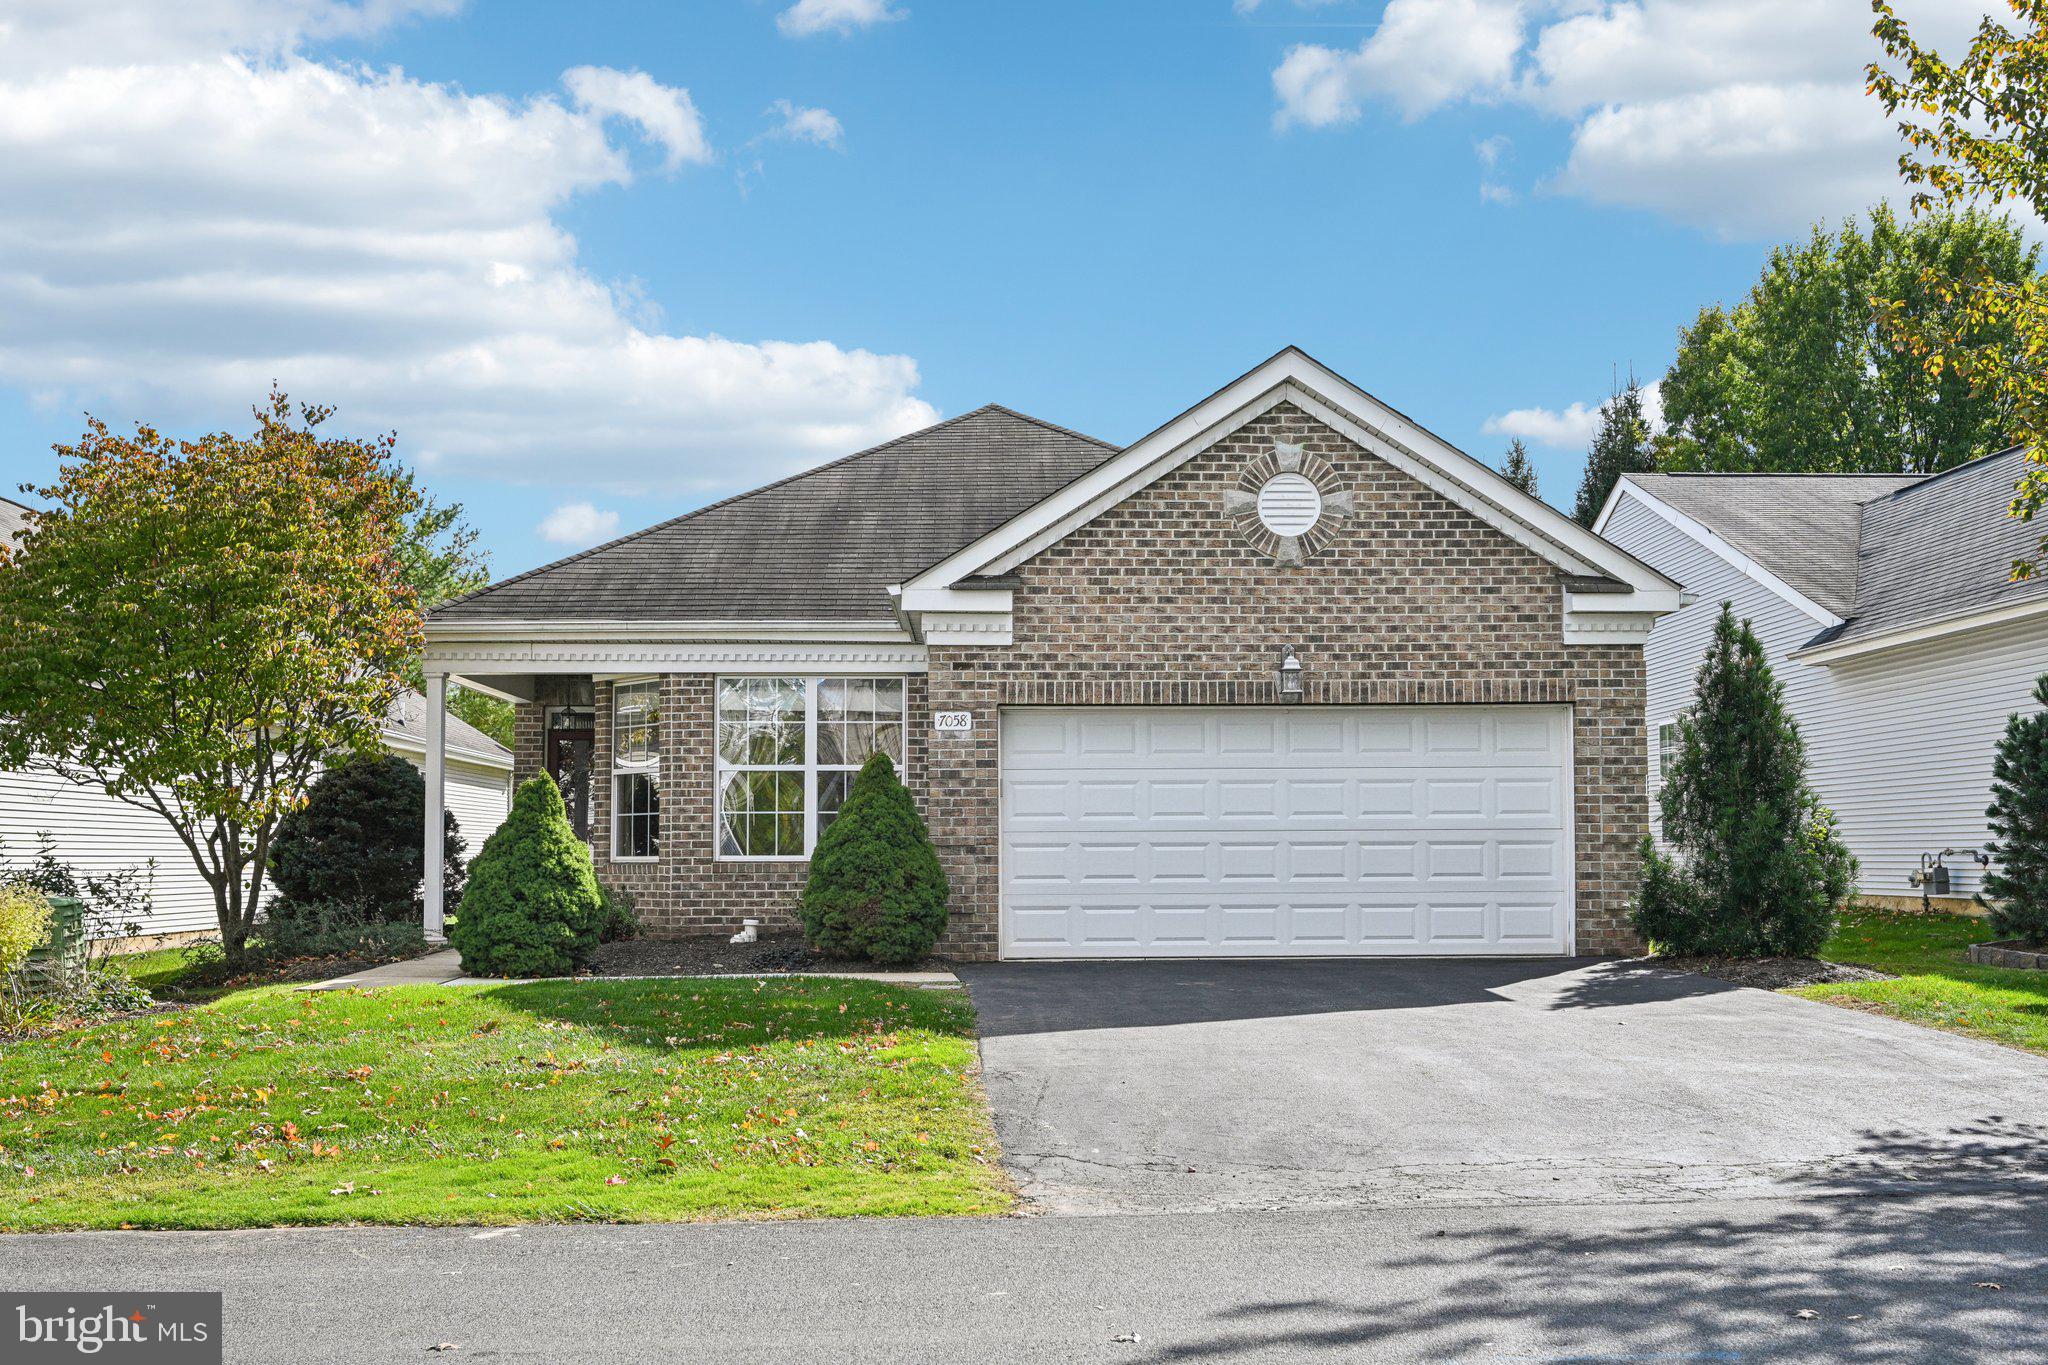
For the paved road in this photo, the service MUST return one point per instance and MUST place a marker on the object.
(1888, 1279)
(1186, 1086)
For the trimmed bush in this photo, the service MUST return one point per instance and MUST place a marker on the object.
(24, 924)
(357, 841)
(876, 889)
(2016, 888)
(618, 914)
(1759, 871)
(532, 907)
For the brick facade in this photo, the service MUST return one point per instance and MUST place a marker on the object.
(1158, 602)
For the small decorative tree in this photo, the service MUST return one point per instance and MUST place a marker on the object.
(876, 888)
(356, 842)
(1518, 469)
(2016, 889)
(532, 907)
(1759, 871)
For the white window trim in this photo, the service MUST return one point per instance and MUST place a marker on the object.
(651, 770)
(809, 769)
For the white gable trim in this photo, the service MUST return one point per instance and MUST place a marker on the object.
(1292, 375)
(1714, 544)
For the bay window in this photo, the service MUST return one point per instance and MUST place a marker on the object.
(788, 749)
(636, 770)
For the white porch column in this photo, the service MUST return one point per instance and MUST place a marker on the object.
(437, 801)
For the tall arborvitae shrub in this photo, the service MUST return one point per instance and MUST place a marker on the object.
(876, 888)
(356, 842)
(2016, 887)
(1759, 871)
(532, 907)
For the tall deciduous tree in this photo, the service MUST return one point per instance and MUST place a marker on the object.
(1975, 132)
(1517, 469)
(1759, 870)
(441, 559)
(195, 625)
(1622, 446)
(1810, 373)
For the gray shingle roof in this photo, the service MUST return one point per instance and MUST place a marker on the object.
(406, 724)
(13, 518)
(1802, 527)
(1943, 547)
(821, 546)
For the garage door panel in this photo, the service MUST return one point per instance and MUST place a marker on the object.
(1187, 832)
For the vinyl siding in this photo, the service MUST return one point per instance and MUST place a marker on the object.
(1899, 744)
(97, 834)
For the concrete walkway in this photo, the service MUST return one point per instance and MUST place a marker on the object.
(445, 969)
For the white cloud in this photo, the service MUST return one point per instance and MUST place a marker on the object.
(664, 113)
(174, 236)
(1572, 426)
(1744, 117)
(46, 34)
(807, 18)
(1424, 54)
(801, 124)
(1251, 6)
(578, 524)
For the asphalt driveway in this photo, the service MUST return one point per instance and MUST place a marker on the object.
(1187, 1086)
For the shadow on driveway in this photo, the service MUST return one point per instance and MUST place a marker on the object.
(1061, 997)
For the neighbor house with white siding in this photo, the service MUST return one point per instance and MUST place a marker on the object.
(1887, 608)
(97, 834)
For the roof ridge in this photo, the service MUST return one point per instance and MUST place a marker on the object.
(1926, 479)
(752, 492)
(1778, 474)
(1049, 426)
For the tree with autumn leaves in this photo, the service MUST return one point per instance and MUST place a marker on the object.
(195, 626)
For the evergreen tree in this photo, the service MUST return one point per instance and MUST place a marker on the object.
(532, 907)
(876, 889)
(356, 841)
(1759, 871)
(1517, 469)
(1621, 447)
(2016, 891)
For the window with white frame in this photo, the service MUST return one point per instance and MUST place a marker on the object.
(636, 769)
(1667, 749)
(788, 749)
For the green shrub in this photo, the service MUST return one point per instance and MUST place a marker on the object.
(532, 906)
(337, 929)
(618, 915)
(2016, 889)
(357, 841)
(1759, 871)
(876, 889)
(24, 925)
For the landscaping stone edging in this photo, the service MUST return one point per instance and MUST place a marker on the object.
(2009, 953)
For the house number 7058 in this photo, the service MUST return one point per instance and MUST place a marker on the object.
(953, 722)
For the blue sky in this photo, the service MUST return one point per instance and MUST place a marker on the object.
(554, 245)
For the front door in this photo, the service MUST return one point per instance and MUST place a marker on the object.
(572, 738)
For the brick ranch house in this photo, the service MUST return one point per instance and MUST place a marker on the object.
(1077, 655)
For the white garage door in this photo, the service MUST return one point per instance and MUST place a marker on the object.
(1255, 832)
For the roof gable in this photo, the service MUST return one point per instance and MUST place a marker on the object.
(1294, 376)
(825, 545)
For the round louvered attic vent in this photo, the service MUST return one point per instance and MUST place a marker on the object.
(1290, 505)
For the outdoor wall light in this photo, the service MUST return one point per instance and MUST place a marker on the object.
(1288, 676)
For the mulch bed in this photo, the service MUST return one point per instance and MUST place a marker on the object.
(1773, 973)
(714, 956)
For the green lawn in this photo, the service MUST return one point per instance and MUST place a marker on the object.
(617, 1101)
(158, 970)
(1936, 984)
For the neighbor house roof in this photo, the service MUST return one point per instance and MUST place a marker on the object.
(405, 727)
(1802, 527)
(1941, 548)
(1887, 553)
(13, 518)
(825, 545)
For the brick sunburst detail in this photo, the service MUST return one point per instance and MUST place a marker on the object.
(1241, 504)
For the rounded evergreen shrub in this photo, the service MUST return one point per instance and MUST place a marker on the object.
(532, 907)
(2016, 889)
(876, 889)
(357, 841)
